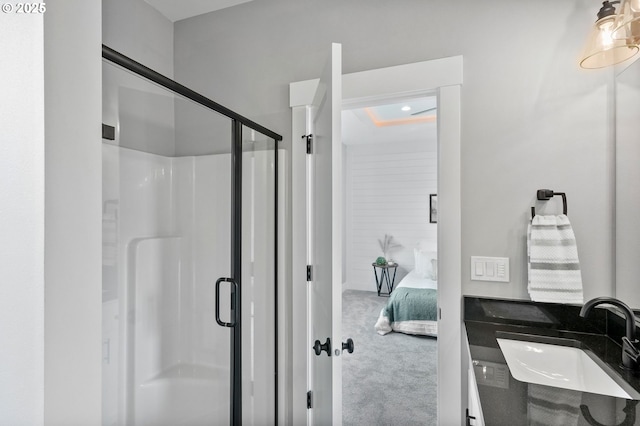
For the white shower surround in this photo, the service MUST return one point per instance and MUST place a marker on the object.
(169, 363)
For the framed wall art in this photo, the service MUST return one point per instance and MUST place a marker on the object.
(433, 208)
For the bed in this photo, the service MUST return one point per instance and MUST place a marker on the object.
(412, 307)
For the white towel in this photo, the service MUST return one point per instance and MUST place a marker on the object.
(554, 268)
(549, 406)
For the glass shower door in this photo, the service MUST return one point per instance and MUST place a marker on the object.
(189, 256)
(167, 238)
(259, 258)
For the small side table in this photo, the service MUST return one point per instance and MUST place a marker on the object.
(385, 276)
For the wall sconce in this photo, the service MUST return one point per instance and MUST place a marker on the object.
(602, 48)
(628, 22)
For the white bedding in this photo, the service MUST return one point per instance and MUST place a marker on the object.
(413, 280)
(418, 327)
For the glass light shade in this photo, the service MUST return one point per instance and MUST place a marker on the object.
(627, 23)
(603, 50)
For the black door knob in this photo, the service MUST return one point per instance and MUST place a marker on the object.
(348, 345)
(319, 347)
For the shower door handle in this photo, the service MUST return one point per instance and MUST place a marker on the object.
(234, 302)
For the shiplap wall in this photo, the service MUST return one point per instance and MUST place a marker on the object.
(387, 192)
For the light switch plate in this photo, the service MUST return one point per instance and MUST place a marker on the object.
(490, 269)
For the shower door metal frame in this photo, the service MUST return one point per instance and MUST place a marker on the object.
(236, 217)
(236, 268)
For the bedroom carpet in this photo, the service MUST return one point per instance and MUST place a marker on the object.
(387, 380)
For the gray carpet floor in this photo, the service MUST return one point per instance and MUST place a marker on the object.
(387, 380)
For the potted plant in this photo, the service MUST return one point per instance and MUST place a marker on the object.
(386, 245)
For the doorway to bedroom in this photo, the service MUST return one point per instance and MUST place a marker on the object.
(390, 212)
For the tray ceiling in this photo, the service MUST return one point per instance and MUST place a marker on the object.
(408, 120)
(176, 10)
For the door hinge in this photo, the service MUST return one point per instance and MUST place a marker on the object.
(309, 139)
(309, 273)
(309, 400)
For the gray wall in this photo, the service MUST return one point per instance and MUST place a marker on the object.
(137, 30)
(148, 117)
(51, 355)
(73, 211)
(627, 188)
(142, 112)
(22, 221)
(531, 118)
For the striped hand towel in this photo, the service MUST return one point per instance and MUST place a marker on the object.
(554, 268)
(549, 406)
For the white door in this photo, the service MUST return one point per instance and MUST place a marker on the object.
(442, 76)
(324, 249)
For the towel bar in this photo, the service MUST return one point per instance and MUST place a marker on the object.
(546, 194)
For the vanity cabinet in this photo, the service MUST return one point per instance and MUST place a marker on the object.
(474, 415)
(496, 398)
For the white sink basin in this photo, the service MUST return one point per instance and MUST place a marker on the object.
(559, 366)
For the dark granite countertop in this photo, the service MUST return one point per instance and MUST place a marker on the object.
(507, 401)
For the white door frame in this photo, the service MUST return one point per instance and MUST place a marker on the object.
(442, 77)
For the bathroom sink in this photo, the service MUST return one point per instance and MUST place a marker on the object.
(558, 366)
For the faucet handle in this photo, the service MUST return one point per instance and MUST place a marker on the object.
(630, 348)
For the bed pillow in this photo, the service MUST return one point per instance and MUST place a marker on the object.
(426, 264)
(434, 269)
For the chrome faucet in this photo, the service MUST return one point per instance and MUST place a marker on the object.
(630, 351)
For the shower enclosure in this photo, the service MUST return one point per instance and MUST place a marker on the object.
(189, 256)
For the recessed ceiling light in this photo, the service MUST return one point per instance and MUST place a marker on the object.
(406, 108)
